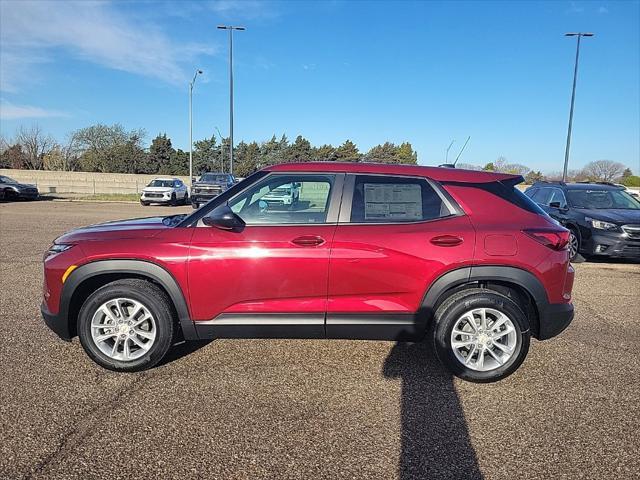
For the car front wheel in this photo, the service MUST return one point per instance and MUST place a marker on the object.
(574, 244)
(480, 335)
(126, 325)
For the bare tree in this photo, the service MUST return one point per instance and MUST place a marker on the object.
(35, 146)
(604, 170)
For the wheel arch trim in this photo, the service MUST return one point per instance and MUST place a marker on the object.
(140, 268)
(501, 273)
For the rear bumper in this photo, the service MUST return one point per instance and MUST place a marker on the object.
(56, 323)
(554, 319)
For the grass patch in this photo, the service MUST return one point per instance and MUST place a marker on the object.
(112, 197)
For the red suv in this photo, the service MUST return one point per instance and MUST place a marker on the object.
(367, 251)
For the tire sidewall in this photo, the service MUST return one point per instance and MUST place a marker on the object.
(162, 318)
(449, 317)
(576, 234)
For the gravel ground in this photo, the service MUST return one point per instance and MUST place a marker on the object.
(310, 409)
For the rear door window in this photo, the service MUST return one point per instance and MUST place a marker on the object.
(384, 199)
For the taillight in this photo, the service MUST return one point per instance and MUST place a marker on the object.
(552, 238)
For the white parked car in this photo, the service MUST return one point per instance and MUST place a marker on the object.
(284, 195)
(165, 190)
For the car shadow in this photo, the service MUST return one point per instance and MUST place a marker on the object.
(435, 442)
(182, 349)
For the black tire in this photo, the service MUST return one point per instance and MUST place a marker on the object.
(153, 298)
(195, 205)
(144, 204)
(174, 200)
(453, 308)
(575, 256)
(11, 196)
(185, 200)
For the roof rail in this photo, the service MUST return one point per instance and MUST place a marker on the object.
(599, 183)
(555, 182)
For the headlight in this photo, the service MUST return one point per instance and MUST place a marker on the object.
(57, 248)
(601, 225)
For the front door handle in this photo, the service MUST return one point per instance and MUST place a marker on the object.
(446, 241)
(308, 241)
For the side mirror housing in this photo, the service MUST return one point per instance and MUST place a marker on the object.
(222, 217)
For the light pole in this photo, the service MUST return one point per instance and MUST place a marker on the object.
(198, 72)
(573, 97)
(231, 28)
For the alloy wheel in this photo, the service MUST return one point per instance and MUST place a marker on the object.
(484, 339)
(123, 329)
(573, 244)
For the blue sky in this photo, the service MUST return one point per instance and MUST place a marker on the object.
(423, 72)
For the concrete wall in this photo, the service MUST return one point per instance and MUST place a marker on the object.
(82, 182)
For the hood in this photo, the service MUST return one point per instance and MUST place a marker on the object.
(619, 216)
(198, 183)
(119, 229)
(20, 185)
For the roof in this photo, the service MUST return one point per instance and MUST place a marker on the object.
(436, 173)
(580, 185)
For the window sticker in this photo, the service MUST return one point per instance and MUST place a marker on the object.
(392, 201)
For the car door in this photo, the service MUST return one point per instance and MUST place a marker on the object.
(552, 200)
(269, 278)
(395, 236)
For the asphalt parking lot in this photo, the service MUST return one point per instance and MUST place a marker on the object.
(310, 409)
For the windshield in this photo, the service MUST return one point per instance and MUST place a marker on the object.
(212, 177)
(4, 179)
(602, 199)
(161, 183)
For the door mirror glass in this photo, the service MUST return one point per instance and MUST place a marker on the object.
(223, 218)
(555, 205)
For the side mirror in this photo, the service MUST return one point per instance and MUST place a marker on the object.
(555, 205)
(222, 217)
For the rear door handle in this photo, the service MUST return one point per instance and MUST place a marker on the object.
(308, 241)
(446, 241)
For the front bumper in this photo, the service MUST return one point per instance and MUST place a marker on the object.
(554, 319)
(144, 198)
(28, 195)
(611, 244)
(202, 198)
(56, 323)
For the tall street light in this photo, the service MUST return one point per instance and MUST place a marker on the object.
(191, 84)
(231, 28)
(573, 97)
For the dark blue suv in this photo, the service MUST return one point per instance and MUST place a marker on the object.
(603, 219)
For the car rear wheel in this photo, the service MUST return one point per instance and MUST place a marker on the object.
(480, 335)
(126, 325)
(195, 205)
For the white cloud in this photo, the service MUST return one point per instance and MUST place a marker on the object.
(244, 9)
(9, 111)
(33, 31)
